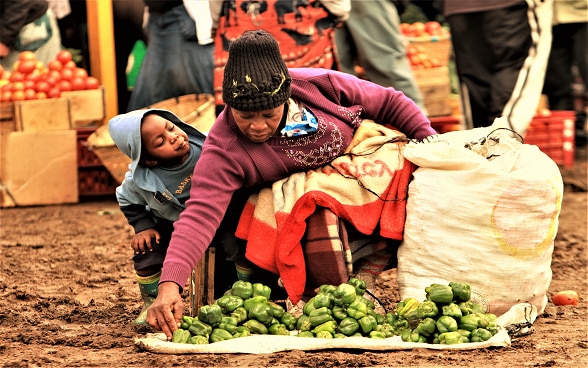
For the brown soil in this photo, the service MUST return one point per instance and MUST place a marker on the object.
(68, 298)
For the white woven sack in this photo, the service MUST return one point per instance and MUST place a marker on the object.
(488, 222)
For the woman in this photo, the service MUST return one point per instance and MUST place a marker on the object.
(276, 121)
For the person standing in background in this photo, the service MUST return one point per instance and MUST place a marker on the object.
(569, 49)
(179, 56)
(501, 49)
(371, 37)
(27, 25)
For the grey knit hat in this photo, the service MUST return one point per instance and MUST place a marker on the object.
(256, 77)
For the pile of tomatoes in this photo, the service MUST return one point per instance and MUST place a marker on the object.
(31, 79)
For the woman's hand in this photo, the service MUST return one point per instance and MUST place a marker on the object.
(142, 240)
(166, 311)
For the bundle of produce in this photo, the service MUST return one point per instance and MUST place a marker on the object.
(446, 316)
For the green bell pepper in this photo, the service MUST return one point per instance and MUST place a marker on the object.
(242, 289)
(386, 329)
(186, 322)
(289, 321)
(309, 306)
(358, 284)
(400, 325)
(338, 335)
(210, 314)
(323, 300)
(248, 303)
(277, 310)
(240, 314)
(451, 310)
(465, 333)
(450, 338)
(470, 308)
(469, 322)
(446, 324)
(480, 334)
(305, 334)
(427, 309)
(303, 323)
(344, 294)
(181, 336)
(320, 316)
(219, 334)
(462, 292)
(241, 331)
(198, 340)
(409, 335)
(348, 326)
(200, 328)
(229, 303)
(329, 326)
(483, 321)
(261, 312)
(357, 309)
(256, 327)
(407, 306)
(327, 289)
(339, 312)
(441, 294)
(377, 335)
(324, 335)
(278, 329)
(379, 317)
(260, 289)
(365, 301)
(367, 324)
(228, 323)
(391, 318)
(427, 327)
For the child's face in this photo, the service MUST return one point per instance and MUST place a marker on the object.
(165, 143)
(259, 126)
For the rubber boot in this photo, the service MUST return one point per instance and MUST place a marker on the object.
(148, 288)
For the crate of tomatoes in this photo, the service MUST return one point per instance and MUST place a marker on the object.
(53, 96)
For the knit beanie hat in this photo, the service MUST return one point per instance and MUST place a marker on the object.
(255, 77)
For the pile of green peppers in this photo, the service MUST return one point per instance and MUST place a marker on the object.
(243, 310)
(446, 316)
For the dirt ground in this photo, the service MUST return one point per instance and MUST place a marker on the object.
(68, 298)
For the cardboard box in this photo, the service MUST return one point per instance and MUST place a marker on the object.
(435, 88)
(40, 169)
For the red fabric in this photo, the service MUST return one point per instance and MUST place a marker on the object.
(274, 221)
(305, 34)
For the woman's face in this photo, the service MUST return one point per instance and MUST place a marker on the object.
(163, 141)
(259, 126)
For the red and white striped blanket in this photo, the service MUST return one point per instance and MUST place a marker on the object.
(367, 187)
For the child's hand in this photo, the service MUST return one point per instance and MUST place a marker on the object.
(142, 240)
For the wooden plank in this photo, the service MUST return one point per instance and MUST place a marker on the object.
(102, 59)
(38, 115)
(86, 106)
(201, 288)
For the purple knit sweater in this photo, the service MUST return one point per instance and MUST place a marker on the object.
(229, 161)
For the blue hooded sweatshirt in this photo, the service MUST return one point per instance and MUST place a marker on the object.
(143, 196)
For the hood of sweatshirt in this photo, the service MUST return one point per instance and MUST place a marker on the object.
(125, 130)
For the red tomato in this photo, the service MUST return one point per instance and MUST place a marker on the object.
(55, 74)
(566, 297)
(26, 55)
(41, 95)
(18, 96)
(92, 83)
(29, 84)
(54, 92)
(42, 86)
(26, 66)
(433, 28)
(16, 76)
(63, 56)
(70, 65)
(54, 65)
(30, 94)
(64, 85)
(6, 96)
(17, 86)
(78, 83)
(34, 76)
(80, 72)
(67, 73)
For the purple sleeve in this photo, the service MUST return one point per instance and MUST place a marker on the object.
(381, 104)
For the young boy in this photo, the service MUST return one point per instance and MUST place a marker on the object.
(163, 151)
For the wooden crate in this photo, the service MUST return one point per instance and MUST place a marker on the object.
(434, 86)
(434, 47)
(86, 107)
